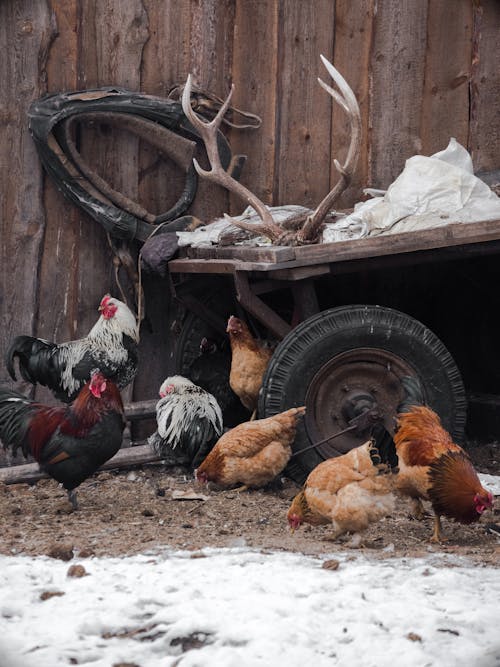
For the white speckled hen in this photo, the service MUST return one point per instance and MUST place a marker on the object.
(189, 422)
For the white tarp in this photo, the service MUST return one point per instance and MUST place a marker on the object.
(429, 192)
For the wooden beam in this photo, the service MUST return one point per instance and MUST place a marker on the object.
(258, 308)
(141, 409)
(124, 458)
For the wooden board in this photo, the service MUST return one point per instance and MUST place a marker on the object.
(377, 246)
(445, 95)
(26, 35)
(255, 78)
(353, 27)
(484, 138)
(28, 473)
(397, 78)
(303, 108)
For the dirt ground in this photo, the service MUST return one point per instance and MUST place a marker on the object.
(134, 511)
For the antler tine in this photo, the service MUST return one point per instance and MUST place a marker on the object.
(347, 100)
(217, 173)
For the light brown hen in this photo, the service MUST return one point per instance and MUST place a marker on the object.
(253, 453)
(350, 491)
(249, 361)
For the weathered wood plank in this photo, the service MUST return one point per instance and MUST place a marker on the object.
(140, 409)
(304, 109)
(255, 80)
(202, 266)
(166, 62)
(353, 28)
(61, 316)
(26, 33)
(211, 49)
(396, 81)
(437, 237)
(129, 457)
(244, 253)
(97, 45)
(484, 138)
(445, 99)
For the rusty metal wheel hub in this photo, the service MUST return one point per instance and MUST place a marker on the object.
(349, 384)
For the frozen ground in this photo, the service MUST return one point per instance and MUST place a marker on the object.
(240, 607)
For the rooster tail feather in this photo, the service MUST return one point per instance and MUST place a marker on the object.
(33, 355)
(15, 413)
(413, 393)
(383, 449)
(453, 485)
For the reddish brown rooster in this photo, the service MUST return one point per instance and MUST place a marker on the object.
(250, 359)
(70, 443)
(432, 467)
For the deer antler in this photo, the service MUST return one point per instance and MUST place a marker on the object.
(217, 173)
(348, 102)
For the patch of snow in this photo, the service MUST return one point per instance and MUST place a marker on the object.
(239, 607)
(490, 482)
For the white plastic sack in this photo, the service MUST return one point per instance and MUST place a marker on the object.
(429, 192)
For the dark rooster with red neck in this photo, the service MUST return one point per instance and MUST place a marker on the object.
(70, 443)
(111, 346)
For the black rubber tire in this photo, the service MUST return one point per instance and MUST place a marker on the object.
(317, 342)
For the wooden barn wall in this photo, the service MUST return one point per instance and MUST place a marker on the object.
(421, 72)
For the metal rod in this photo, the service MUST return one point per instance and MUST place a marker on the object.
(330, 437)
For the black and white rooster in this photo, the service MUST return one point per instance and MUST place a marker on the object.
(111, 346)
(189, 422)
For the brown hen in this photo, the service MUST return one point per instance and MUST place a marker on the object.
(249, 361)
(253, 453)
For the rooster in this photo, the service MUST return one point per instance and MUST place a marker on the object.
(71, 442)
(250, 359)
(189, 420)
(111, 346)
(350, 491)
(433, 467)
(253, 453)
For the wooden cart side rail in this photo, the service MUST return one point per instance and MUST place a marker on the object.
(208, 260)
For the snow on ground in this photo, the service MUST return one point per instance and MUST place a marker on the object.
(243, 608)
(490, 482)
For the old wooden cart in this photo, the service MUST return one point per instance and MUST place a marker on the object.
(340, 354)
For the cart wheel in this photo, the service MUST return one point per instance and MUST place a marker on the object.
(346, 360)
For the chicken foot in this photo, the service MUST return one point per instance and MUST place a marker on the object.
(72, 499)
(418, 511)
(437, 535)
